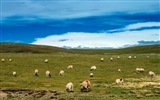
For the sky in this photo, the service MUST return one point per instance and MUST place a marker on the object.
(81, 23)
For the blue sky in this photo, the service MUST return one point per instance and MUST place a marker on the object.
(77, 23)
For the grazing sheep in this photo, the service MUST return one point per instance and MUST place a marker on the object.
(119, 81)
(70, 67)
(48, 74)
(137, 69)
(135, 57)
(111, 59)
(85, 86)
(118, 57)
(69, 87)
(93, 68)
(2, 60)
(151, 73)
(36, 73)
(10, 60)
(14, 74)
(61, 72)
(119, 70)
(91, 74)
(129, 57)
(140, 69)
(46, 61)
(102, 59)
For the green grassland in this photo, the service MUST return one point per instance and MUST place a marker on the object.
(103, 85)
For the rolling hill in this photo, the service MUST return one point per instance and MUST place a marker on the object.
(27, 48)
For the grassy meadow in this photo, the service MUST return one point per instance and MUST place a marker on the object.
(103, 87)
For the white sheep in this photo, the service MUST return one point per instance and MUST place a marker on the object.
(111, 59)
(70, 67)
(91, 74)
(46, 61)
(36, 72)
(140, 69)
(119, 70)
(151, 73)
(14, 74)
(48, 74)
(69, 87)
(85, 86)
(10, 60)
(129, 57)
(135, 57)
(119, 81)
(61, 72)
(118, 57)
(93, 68)
(102, 59)
(2, 60)
(137, 69)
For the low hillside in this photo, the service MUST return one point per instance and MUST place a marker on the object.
(131, 50)
(27, 48)
(140, 49)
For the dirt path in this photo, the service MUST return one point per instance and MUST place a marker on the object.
(28, 94)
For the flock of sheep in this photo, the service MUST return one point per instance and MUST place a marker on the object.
(86, 84)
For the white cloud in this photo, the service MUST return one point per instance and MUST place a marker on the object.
(141, 25)
(137, 26)
(74, 39)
